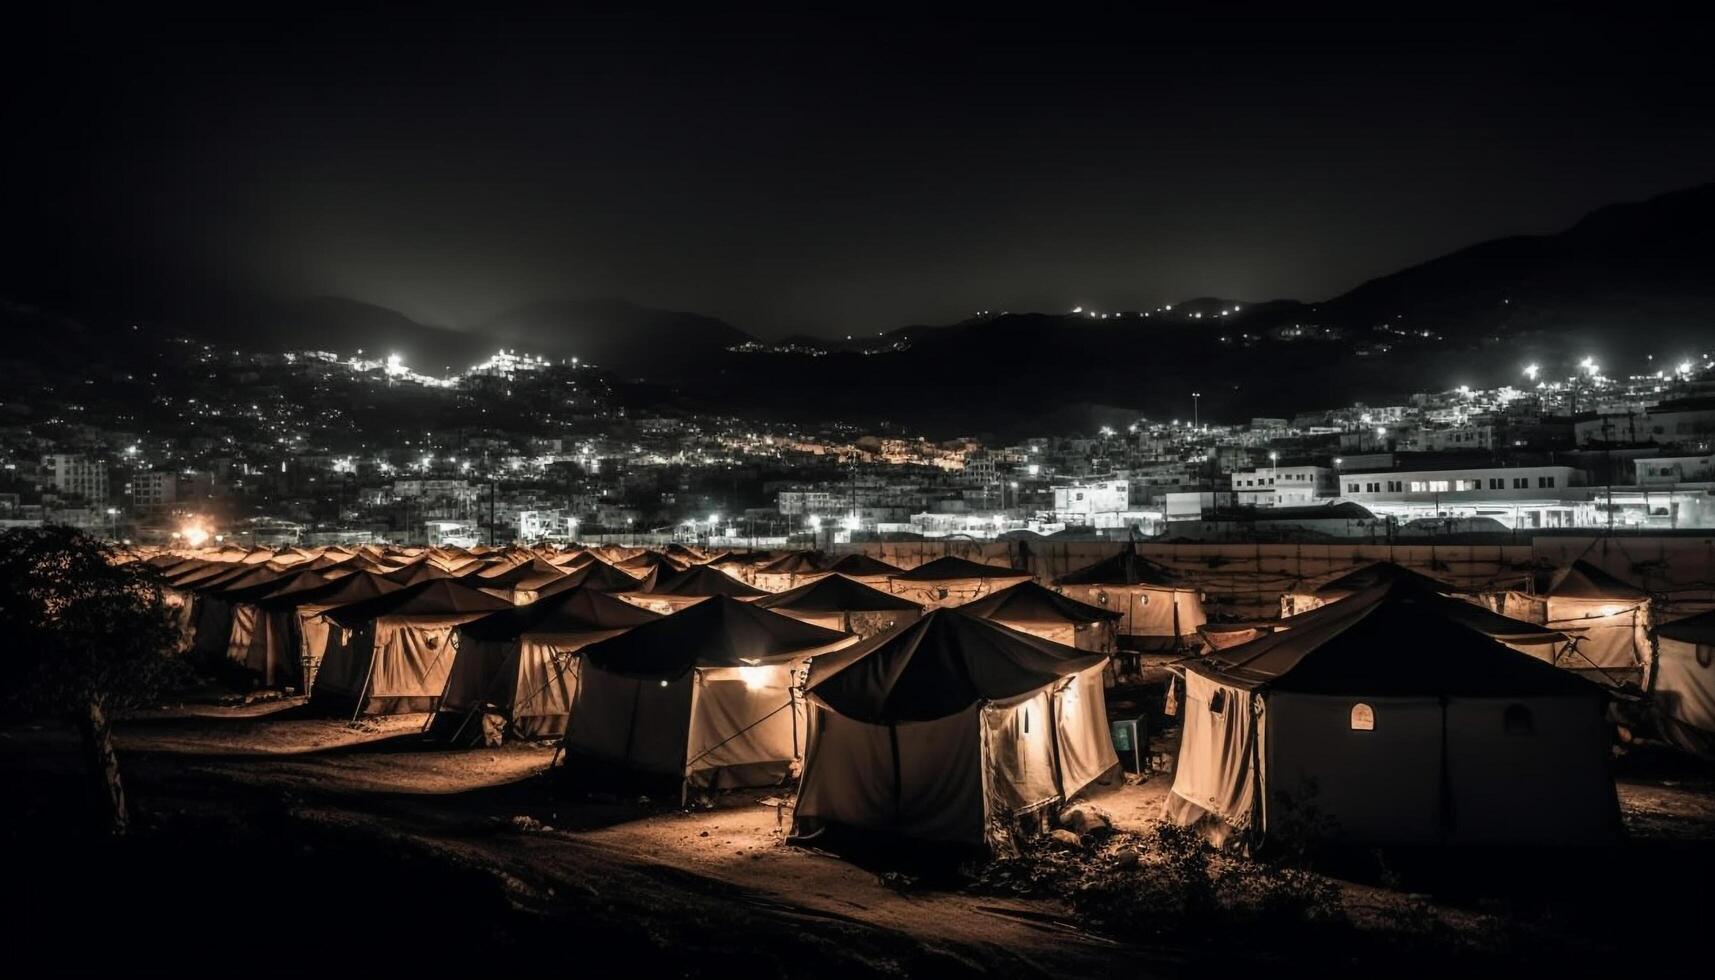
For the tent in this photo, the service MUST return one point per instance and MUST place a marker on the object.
(599, 575)
(521, 663)
(264, 640)
(672, 592)
(790, 570)
(1532, 639)
(840, 603)
(863, 568)
(952, 730)
(520, 583)
(397, 648)
(1608, 619)
(1365, 577)
(645, 562)
(305, 606)
(1383, 720)
(949, 581)
(1157, 611)
(1030, 608)
(1683, 683)
(706, 698)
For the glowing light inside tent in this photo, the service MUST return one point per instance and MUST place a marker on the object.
(755, 678)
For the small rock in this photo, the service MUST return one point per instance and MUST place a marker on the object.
(1086, 818)
(1127, 858)
(703, 834)
(1067, 839)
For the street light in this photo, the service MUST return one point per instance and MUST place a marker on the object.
(1196, 411)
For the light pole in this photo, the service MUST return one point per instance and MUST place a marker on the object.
(1274, 476)
(1196, 414)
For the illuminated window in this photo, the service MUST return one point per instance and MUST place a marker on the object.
(1363, 718)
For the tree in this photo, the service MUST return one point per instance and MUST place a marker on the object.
(82, 636)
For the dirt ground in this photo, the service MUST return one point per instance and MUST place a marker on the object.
(274, 827)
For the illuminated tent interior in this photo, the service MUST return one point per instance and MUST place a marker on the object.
(706, 698)
(1156, 612)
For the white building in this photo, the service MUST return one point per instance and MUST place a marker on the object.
(1515, 496)
(1455, 438)
(77, 475)
(1282, 486)
(1078, 503)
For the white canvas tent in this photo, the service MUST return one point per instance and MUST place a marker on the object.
(1030, 608)
(839, 603)
(707, 698)
(951, 730)
(522, 664)
(1683, 683)
(1157, 612)
(1608, 619)
(398, 648)
(1386, 721)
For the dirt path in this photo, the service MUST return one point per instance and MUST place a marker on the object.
(495, 809)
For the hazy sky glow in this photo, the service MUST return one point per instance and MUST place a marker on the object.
(792, 172)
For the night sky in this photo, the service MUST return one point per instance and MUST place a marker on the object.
(792, 172)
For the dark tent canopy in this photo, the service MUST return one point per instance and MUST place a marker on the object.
(938, 666)
(337, 592)
(571, 611)
(1378, 574)
(721, 632)
(701, 580)
(1029, 602)
(836, 593)
(950, 567)
(598, 575)
(860, 565)
(1125, 568)
(1393, 640)
(438, 597)
(796, 563)
(1582, 580)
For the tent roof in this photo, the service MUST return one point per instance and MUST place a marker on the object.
(1380, 573)
(860, 564)
(1124, 568)
(1394, 640)
(949, 568)
(796, 563)
(571, 611)
(298, 579)
(938, 666)
(338, 592)
(1582, 580)
(720, 632)
(703, 580)
(527, 575)
(598, 575)
(836, 593)
(437, 598)
(1028, 602)
(651, 560)
(1698, 629)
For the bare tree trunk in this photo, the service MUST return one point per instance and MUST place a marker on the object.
(102, 764)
